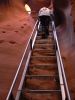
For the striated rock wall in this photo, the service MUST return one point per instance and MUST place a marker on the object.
(66, 38)
(15, 28)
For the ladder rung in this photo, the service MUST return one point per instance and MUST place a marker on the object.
(44, 51)
(48, 50)
(40, 30)
(49, 36)
(40, 91)
(43, 66)
(40, 37)
(43, 76)
(44, 40)
(44, 44)
(43, 57)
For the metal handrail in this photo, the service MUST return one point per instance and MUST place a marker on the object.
(19, 67)
(25, 69)
(62, 67)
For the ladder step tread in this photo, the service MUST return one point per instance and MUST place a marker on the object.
(41, 51)
(49, 36)
(40, 37)
(40, 91)
(40, 46)
(44, 50)
(44, 71)
(43, 56)
(42, 65)
(42, 75)
(43, 40)
(44, 44)
(44, 96)
(40, 30)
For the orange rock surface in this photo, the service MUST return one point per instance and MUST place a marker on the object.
(15, 28)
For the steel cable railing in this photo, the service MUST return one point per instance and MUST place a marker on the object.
(19, 67)
(61, 63)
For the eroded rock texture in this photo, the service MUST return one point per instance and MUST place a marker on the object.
(15, 28)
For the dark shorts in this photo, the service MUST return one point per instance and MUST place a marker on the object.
(45, 20)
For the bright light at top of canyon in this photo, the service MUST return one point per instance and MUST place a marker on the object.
(27, 8)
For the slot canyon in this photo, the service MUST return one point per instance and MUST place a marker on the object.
(16, 26)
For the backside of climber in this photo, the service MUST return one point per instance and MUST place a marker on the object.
(45, 15)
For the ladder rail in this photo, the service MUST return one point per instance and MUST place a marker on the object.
(61, 63)
(61, 78)
(23, 77)
(25, 69)
(20, 64)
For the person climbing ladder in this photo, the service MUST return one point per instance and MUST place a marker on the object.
(45, 16)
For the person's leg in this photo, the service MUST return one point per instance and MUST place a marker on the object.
(47, 29)
(42, 20)
(47, 21)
